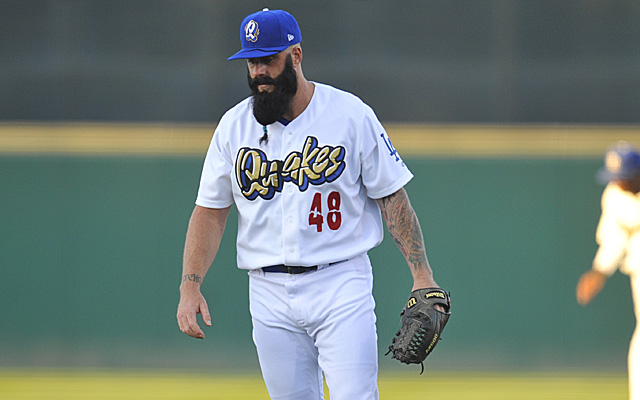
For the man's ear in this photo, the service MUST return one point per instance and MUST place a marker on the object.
(296, 55)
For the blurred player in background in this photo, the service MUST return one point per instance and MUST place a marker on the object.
(618, 237)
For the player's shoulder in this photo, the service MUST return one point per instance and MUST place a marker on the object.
(610, 191)
(338, 94)
(613, 197)
(343, 100)
(621, 206)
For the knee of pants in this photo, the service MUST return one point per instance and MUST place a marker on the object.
(357, 384)
(309, 393)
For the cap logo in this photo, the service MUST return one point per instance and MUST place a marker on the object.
(251, 31)
(613, 162)
(290, 37)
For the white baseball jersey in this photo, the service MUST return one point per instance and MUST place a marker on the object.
(307, 196)
(618, 232)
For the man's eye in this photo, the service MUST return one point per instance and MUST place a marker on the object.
(261, 60)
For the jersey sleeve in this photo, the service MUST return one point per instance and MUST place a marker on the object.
(611, 237)
(215, 181)
(383, 171)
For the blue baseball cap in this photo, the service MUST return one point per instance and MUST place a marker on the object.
(266, 33)
(621, 162)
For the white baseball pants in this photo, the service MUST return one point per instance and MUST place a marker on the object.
(634, 347)
(319, 321)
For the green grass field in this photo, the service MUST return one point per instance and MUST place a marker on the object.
(122, 385)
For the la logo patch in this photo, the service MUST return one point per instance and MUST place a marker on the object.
(392, 150)
(251, 31)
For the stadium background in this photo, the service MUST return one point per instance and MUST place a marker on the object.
(502, 110)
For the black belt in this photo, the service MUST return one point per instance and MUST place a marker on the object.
(288, 269)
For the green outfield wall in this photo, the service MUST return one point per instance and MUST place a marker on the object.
(91, 249)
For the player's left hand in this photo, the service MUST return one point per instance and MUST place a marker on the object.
(425, 284)
(422, 323)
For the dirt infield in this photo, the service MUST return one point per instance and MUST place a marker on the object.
(164, 385)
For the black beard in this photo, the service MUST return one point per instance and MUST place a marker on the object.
(268, 107)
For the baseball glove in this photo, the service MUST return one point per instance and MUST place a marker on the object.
(422, 325)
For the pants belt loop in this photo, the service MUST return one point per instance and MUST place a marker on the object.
(323, 266)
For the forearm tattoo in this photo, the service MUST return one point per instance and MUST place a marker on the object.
(404, 228)
(192, 277)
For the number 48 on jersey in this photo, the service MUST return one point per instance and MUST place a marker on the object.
(334, 217)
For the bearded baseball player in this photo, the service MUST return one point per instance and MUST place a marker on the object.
(618, 237)
(311, 172)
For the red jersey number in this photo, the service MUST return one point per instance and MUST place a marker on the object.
(334, 216)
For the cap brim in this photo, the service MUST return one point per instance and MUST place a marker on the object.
(604, 176)
(257, 53)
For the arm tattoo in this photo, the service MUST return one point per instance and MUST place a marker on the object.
(404, 228)
(192, 277)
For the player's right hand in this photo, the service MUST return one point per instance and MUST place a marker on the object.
(589, 285)
(192, 302)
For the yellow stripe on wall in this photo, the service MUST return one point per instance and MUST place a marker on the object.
(500, 141)
(105, 139)
(465, 141)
